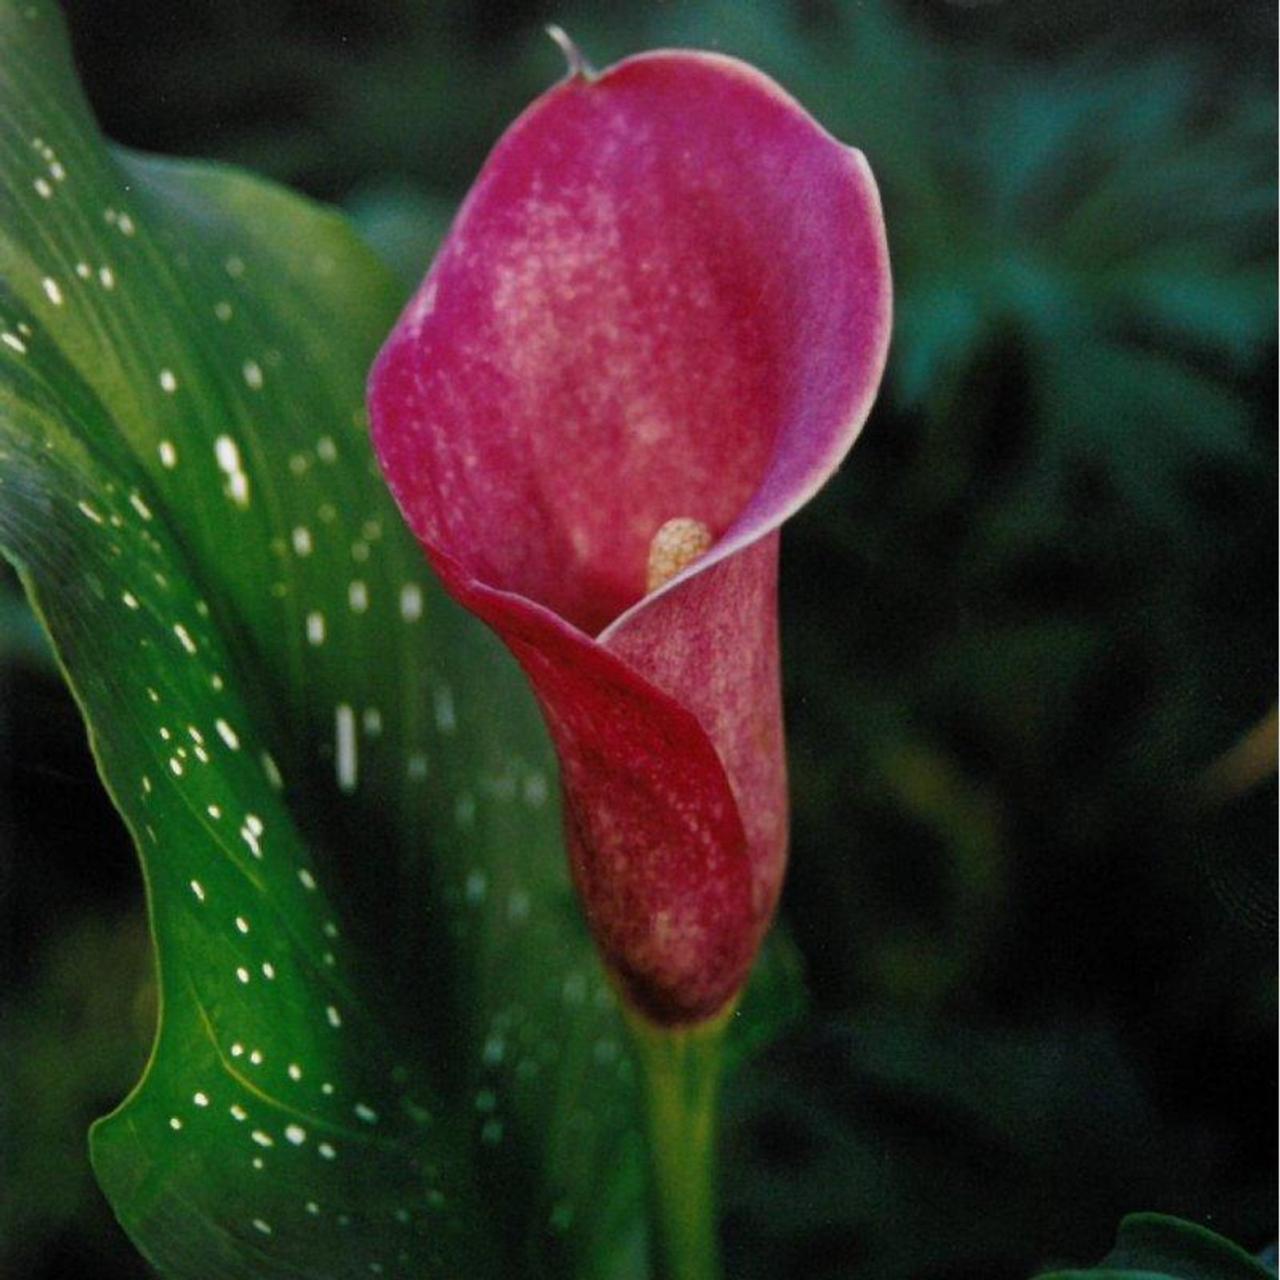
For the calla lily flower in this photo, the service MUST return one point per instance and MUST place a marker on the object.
(654, 330)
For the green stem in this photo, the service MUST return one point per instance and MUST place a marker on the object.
(681, 1072)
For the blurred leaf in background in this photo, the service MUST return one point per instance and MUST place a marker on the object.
(1035, 607)
(1152, 1246)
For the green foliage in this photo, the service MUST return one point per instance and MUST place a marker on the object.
(880, 1144)
(1150, 1246)
(384, 1045)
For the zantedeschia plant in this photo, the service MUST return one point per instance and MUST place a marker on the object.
(654, 330)
(385, 1044)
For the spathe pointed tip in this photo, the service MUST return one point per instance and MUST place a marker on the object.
(578, 65)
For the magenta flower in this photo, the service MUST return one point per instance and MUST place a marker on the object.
(653, 332)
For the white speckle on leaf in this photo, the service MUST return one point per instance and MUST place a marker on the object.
(52, 291)
(168, 454)
(168, 382)
(346, 763)
(446, 718)
(411, 602)
(251, 839)
(272, 770)
(464, 814)
(227, 453)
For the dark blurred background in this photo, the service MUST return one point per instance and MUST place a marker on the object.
(1030, 629)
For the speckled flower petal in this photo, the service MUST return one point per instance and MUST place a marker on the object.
(665, 299)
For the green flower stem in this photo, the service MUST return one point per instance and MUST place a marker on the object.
(681, 1073)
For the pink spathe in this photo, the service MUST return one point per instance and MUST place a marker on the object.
(666, 298)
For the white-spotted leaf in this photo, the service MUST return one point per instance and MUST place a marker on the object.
(385, 1046)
